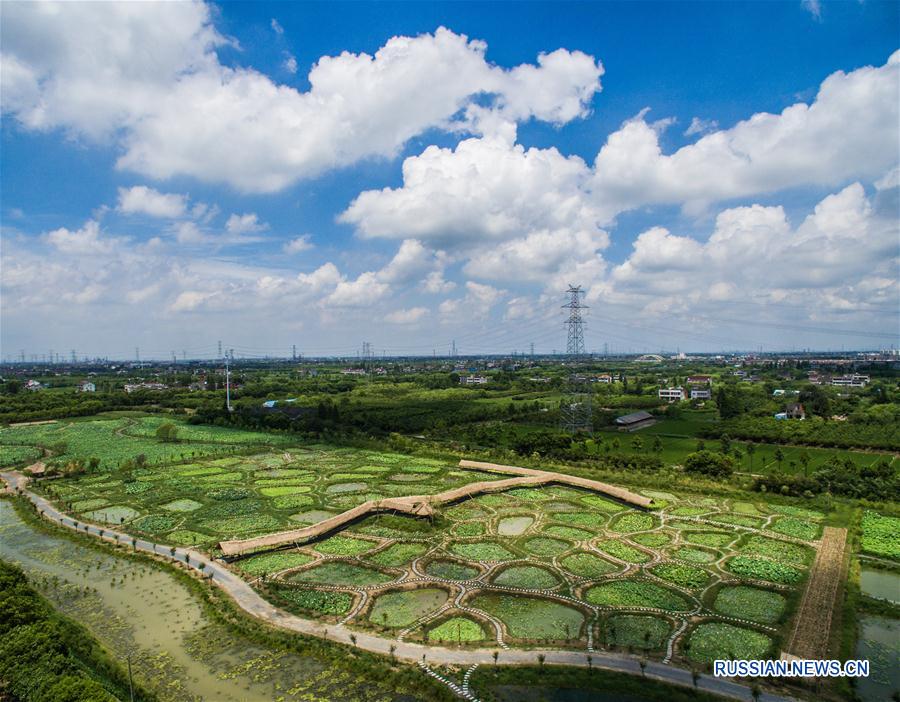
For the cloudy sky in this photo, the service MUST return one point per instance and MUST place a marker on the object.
(716, 176)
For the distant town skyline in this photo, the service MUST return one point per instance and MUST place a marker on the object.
(413, 175)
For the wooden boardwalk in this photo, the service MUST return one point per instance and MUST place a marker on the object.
(423, 505)
(813, 625)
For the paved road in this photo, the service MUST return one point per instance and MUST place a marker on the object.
(251, 602)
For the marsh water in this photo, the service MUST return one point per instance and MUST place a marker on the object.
(882, 584)
(879, 643)
(139, 610)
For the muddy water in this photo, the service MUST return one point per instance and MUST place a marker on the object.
(514, 526)
(144, 612)
(883, 584)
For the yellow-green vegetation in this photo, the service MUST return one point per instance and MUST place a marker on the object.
(343, 546)
(636, 593)
(482, 551)
(588, 565)
(273, 562)
(633, 521)
(715, 641)
(623, 552)
(682, 575)
(340, 573)
(694, 555)
(325, 602)
(530, 577)
(531, 617)
(398, 554)
(764, 569)
(541, 546)
(403, 607)
(653, 539)
(778, 550)
(881, 535)
(709, 538)
(798, 528)
(451, 570)
(750, 603)
(636, 631)
(456, 630)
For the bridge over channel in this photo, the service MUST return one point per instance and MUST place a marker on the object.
(423, 505)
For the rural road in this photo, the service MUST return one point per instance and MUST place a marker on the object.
(251, 602)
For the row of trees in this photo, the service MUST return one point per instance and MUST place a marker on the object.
(878, 482)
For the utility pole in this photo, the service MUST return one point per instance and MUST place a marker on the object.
(576, 414)
(227, 385)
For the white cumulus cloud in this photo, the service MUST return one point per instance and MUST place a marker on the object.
(141, 199)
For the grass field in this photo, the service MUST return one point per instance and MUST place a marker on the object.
(678, 439)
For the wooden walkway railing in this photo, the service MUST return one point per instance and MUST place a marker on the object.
(423, 505)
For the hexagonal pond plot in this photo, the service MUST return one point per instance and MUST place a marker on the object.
(183, 505)
(113, 515)
(544, 546)
(716, 641)
(567, 532)
(398, 554)
(514, 526)
(636, 593)
(482, 551)
(457, 630)
(588, 565)
(531, 617)
(694, 555)
(451, 570)
(529, 577)
(636, 630)
(345, 487)
(340, 573)
(403, 607)
(752, 603)
(682, 575)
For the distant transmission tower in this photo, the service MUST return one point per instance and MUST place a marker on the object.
(576, 403)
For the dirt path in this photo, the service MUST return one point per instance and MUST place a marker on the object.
(32, 424)
(811, 631)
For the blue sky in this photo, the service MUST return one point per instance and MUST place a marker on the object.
(171, 176)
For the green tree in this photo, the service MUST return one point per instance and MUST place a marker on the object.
(167, 433)
(725, 443)
(804, 461)
(709, 463)
(728, 402)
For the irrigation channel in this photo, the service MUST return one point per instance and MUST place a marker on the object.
(165, 619)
